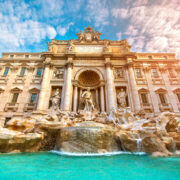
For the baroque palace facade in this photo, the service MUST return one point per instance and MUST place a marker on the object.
(149, 81)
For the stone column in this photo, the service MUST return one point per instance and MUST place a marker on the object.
(97, 97)
(153, 95)
(135, 96)
(171, 95)
(129, 90)
(102, 99)
(75, 96)
(43, 101)
(68, 88)
(110, 87)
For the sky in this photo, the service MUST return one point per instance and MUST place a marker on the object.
(148, 25)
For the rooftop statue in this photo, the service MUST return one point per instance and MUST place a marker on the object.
(88, 35)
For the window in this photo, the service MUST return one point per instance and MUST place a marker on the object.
(178, 96)
(149, 57)
(27, 56)
(144, 98)
(11, 56)
(6, 71)
(138, 73)
(23, 69)
(15, 97)
(162, 98)
(39, 72)
(154, 72)
(33, 98)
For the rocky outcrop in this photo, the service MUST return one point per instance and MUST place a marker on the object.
(72, 132)
(11, 141)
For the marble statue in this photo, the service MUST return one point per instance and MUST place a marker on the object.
(87, 100)
(121, 97)
(71, 46)
(80, 36)
(55, 99)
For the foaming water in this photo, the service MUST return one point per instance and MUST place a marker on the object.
(96, 154)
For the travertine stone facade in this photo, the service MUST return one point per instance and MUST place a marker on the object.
(151, 81)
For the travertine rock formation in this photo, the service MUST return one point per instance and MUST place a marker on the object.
(73, 133)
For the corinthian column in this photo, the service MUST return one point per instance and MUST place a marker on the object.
(135, 96)
(68, 88)
(171, 95)
(75, 98)
(110, 87)
(43, 101)
(151, 90)
(102, 99)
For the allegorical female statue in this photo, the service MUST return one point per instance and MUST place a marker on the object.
(55, 99)
(121, 97)
(87, 99)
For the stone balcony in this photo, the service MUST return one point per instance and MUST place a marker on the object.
(3, 79)
(30, 106)
(147, 107)
(20, 79)
(36, 79)
(165, 107)
(11, 107)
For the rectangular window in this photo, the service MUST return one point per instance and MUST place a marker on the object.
(6, 71)
(178, 96)
(144, 98)
(162, 98)
(138, 73)
(154, 72)
(39, 72)
(15, 97)
(23, 69)
(33, 98)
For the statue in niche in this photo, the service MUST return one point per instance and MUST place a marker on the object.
(118, 73)
(55, 99)
(87, 100)
(58, 73)
(121, 97)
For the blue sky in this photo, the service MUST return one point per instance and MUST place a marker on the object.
(148, 25)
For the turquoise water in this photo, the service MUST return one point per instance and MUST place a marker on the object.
(49, 166)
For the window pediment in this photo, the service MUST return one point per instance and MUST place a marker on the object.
(161, 90)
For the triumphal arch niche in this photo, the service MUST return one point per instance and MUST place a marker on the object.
(93, 72)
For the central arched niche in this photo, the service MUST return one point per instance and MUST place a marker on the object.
(89, 78)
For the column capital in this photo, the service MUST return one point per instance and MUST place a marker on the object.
(69, 64)
(108, 64)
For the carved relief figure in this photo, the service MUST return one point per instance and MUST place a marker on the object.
(55, 99)
(118, 73)
(58, 73)
(87, 100)
(121, 97)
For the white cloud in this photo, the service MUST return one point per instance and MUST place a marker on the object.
(97, 12)
(119, 35)
(18, 29)
(63, 30)
(120, 12)
(154, 27)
